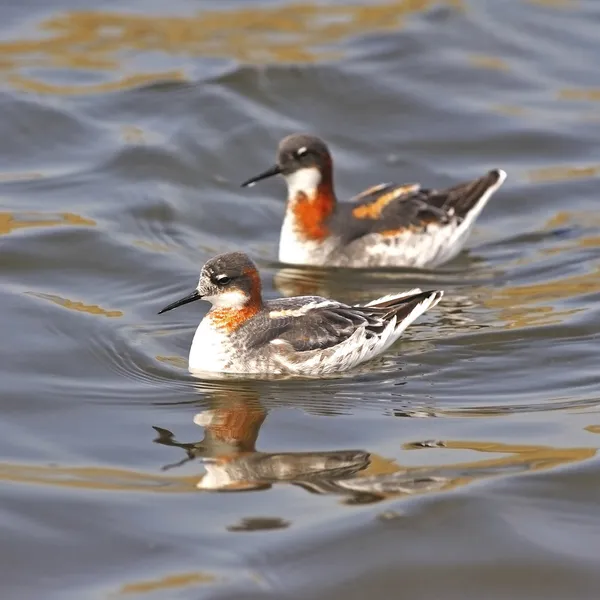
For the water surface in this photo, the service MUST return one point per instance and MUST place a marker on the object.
(463, 464)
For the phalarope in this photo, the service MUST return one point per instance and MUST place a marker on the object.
(386, 225)
(305, 335)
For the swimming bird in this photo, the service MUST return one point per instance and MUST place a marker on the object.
(305, 335)
(386, 225)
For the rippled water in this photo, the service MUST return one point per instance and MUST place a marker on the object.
(461, 465)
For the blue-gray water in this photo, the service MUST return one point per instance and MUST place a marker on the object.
(460, 466)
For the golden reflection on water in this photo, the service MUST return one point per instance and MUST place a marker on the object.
(123, 83)
(92, 309)
(580, 94)
(169, 582)
(96, 478)
(510, 110)
(100, 42)
(10, 222)
(514, 303)
(562, 173)
(493, 63)
(563, 4)
(535, 304)
(154, 246)
(175, 361)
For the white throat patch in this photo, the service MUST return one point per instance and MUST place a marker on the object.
(304, 180)
(229, 299)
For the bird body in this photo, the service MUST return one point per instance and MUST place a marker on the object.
(305, 335)
(386, 225)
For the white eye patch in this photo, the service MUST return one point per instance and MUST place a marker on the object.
(302, 151)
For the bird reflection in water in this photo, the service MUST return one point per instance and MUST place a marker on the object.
(228, 453)
(232, 462)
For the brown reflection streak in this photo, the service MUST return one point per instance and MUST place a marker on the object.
(9, 222)
(535, 457)
(40, 87)
(23, 176)
(100, 41)
(96, 478)
(562, 173)
(510, 110)
(521, 458)
(170, 582)
(580, 95)
(175, 361)
(514, 303)
(91, 309)
(153, 246)
(528, 458)
(582, 218)
(555, 3)
(492, 63)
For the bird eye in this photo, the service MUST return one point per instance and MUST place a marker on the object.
(222, 279)
(302, 151)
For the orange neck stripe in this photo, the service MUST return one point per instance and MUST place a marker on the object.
(312, 211)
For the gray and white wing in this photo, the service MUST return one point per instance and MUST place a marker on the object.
(318, 326)
(324, 336)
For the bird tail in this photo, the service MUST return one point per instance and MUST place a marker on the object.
(407, 307)
(391, 299)
(471, 195)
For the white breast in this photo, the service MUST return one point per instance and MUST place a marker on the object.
(296, 251)
(211, 348)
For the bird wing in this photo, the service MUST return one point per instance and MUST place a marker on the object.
(391, 207)
(322, 324)
(316, 325)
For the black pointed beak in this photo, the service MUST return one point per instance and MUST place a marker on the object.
(195, 295)
(271, 172)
